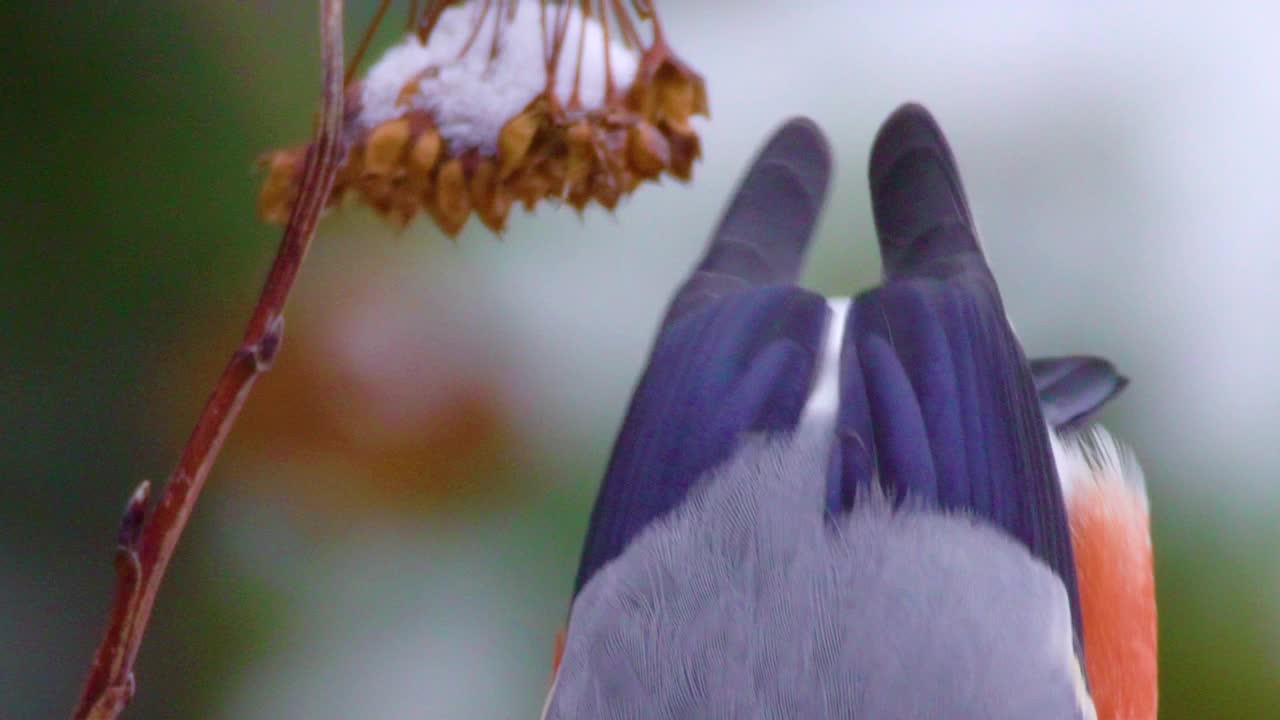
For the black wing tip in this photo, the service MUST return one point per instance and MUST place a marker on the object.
(916, 190)
(803, 138)
(912, 123)
(804, 123)
(778, 201)
(800, 150)
(1048, 370)
(1060, 365)
(764, 232)
(1073, 389)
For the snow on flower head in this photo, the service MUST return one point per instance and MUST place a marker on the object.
(493, 102)
(473, 82)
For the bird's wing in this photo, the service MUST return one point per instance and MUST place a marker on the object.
(735, 352)
(937, 400)
(764, 233)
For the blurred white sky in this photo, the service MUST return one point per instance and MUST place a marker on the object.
(1121, 161)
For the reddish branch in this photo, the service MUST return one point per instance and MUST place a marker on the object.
(147, 540)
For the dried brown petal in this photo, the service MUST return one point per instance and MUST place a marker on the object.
(676, 95)
(491, 201)
(701, 106)
(378, 192)
(642, 98)
(685, 149)
(692, 90)
(581, 153)
(350, 174)
(409, 195)
(607, 189)
(514, 141)
(579, 195)
(495, 216)
(648, 151)
(280, 189)
(404, 208)
(426, 152)
(384, 147)
(556, 171)
(530, 186)
(495, 212)
(452, 204)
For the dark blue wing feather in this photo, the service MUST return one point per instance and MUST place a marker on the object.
(897, 421)
(1073, 389)
(765, 231)
(736, 351)
(939, 378)
(742, 364)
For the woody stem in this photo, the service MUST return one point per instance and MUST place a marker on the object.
(147, 542)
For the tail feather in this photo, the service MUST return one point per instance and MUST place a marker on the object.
(1074, 388)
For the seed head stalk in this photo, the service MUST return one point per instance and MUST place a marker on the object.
(147, 540)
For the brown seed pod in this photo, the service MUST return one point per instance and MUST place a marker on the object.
(515, 140)
(384, 149)
(451, 204)
(281, 187)
(648, 152)
(486, 103)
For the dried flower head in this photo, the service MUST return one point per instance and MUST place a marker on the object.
(486, 103)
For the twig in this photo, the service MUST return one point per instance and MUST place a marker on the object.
(354, 66)
(146, 542)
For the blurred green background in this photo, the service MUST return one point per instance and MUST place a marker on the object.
(393, 528)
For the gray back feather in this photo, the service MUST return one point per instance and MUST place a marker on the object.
(749, 602)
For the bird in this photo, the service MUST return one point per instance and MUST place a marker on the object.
(873, 506)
